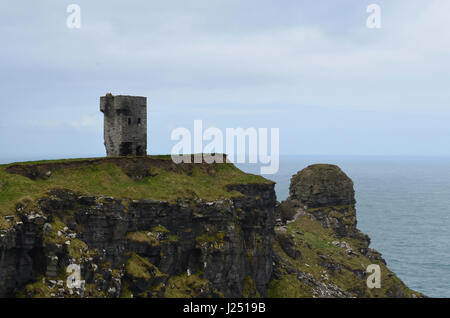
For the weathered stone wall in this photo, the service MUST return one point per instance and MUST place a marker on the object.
(125, 124)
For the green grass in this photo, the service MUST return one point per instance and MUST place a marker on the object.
(249, 288)
(142, 237)
(164, 157)
(52, 236)
(218, 237)
(77, 249)
(188, 286)
(315, 242)
(49, 161)
(37, 289)
(288, 286)
(159, 228)
(106, 178)
(139, 267)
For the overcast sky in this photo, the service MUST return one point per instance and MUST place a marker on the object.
(311, 68)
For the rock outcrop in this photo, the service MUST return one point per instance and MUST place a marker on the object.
(319, 252)
(322, 185)
(326, 194)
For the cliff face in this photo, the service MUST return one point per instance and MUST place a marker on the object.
(141, 247)
(219, 233)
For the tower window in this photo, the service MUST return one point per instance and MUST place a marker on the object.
(129, 121)
(139, 121)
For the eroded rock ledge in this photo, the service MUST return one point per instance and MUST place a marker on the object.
(142, 248)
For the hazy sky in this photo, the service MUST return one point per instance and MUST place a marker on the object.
(311, 68)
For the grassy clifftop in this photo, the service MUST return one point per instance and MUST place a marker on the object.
(152, 177)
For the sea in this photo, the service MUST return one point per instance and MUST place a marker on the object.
(403, 204)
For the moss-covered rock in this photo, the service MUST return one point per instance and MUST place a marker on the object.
(328, 267)
(249, 288)
(322, 185)
(190, 286)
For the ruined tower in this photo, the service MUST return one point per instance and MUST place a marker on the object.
(125, 125)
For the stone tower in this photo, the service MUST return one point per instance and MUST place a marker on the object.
(125, 125)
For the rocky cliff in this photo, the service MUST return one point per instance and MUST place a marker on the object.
(145, 227)
(319, 252)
